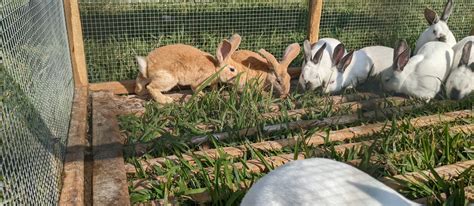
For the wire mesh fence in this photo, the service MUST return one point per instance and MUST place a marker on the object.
(382, 22)
(117, 30)
(37, 90)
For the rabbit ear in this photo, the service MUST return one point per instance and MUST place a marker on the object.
(448, 9)
(466, 53)
(235, 42)
(338, 54)
(271, 60)
(291, 52)
(402, 60)
(307, 50)
(345, 62)
(319, 54)
(431, 16)
(400, 47)
(224, 51)
(142, 65)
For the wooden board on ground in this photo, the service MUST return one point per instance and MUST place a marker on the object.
(75, 186)
(109, 181)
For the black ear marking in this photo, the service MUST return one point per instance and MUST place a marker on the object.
(338, 54)
(319, 54)
(431, 16)
(402, 60)
(448, 9)
(400, 47)
(345, 62)
(466, 53)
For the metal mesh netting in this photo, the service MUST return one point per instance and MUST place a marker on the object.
(363, 23)
(117, 30)
(37, 90)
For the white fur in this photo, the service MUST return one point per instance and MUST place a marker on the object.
(319, 181)
(369, 61)
(433, 32)
(424, 72)
(438, 28)
(314, 75)
(461, 78)
(142, 65)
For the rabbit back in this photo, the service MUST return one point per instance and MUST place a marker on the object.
(380, 57)
(254, 67)
(186, 63)
(430, 69)
(320, 181)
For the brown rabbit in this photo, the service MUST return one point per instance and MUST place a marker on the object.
(183, 65)
(267, 70)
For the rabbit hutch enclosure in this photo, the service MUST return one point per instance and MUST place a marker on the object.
(73, 132)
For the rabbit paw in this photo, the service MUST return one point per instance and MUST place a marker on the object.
(165, 100)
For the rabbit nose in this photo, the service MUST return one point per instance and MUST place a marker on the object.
(455, 94)
(442, 38)
(300, 88)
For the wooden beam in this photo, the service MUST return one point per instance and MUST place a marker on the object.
(122, 87)
(128, 86)
(74, 184)
(109, 180)
(76, 42)
(316, 9)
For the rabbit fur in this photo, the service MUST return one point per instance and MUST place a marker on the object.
(460, 82)
(319, 181)
(179, 64)
(355, 67)
(438, 29)
(421, 75)
(267, 70)
(316, 69)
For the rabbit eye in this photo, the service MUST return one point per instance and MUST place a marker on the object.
(434, 31)
(232, 69)
(331, 82)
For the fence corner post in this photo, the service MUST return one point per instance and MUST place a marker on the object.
(315, 9)
(76, 42)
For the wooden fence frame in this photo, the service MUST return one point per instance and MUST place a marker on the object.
(77, 180)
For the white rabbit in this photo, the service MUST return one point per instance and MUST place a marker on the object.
(422, 75)
(356, 67)
(316, 68)
(460, 82)
(438, 29)
(319, 181)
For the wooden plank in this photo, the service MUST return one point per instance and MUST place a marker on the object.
(446, 172)
(76, 42)
(109, 181)
(74, 185)
(122, 87)
(316, 9)
(128, 86)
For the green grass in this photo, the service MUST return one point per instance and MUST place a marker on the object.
(226, 185)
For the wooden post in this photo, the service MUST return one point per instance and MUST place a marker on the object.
(76, 43)
(315, 9)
